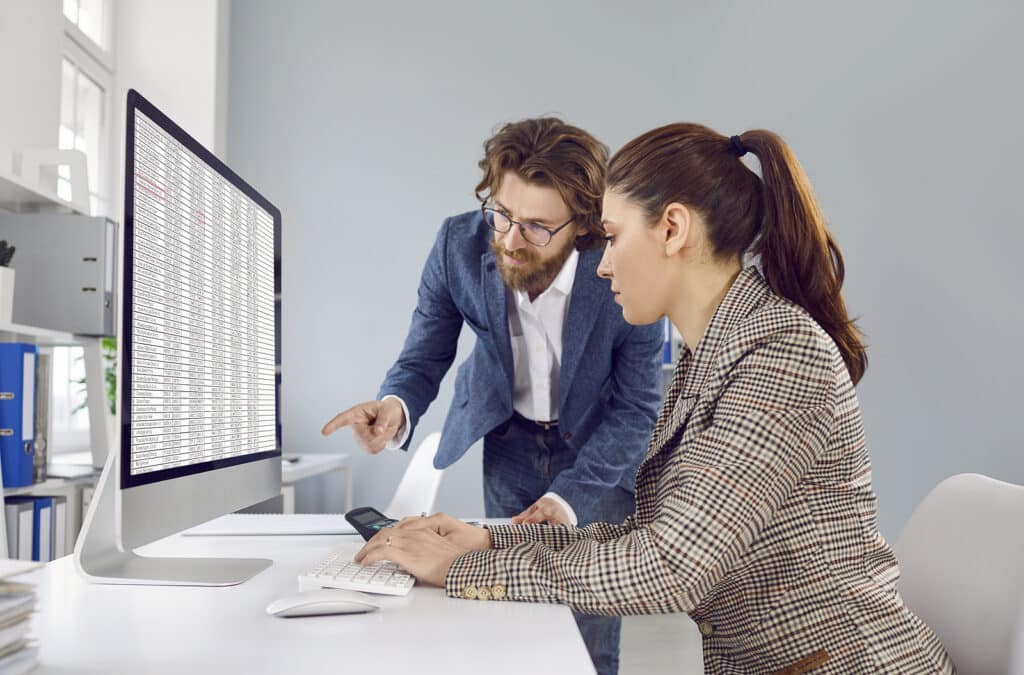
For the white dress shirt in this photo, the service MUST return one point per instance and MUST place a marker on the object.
(535, 329)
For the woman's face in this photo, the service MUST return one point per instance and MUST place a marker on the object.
(635, 260)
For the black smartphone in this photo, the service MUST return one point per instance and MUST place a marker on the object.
(368, 521)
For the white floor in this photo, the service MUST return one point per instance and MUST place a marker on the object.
(656, 645)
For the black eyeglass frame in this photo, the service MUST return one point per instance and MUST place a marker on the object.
(484, 209)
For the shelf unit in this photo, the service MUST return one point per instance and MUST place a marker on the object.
(17, 196)
(69, 488)
(44, 337)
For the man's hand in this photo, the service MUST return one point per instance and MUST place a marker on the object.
(544, 510)
(454, 530)
(420, 551)
(374, 423)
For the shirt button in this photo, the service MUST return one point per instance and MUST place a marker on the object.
(706, 629)
(469, 593)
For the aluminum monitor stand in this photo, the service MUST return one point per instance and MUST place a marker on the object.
(100, 557)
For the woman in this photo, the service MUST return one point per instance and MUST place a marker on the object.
(755, 512)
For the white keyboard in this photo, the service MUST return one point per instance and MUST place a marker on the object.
(338, 571)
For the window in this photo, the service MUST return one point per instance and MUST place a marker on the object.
(82, 127)
(69, 424)
(86, 84)
(92, 18)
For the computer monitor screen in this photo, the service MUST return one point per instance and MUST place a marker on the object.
(197, 346)
(199, 316)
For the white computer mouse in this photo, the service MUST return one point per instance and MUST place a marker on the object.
(322, 601)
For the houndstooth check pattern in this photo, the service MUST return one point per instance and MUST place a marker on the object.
(755, 513)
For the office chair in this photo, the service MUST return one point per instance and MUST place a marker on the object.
(417, 490)
(961, 558)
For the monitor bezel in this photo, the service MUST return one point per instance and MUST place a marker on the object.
(136, 102)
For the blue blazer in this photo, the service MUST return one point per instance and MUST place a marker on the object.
(610, 382)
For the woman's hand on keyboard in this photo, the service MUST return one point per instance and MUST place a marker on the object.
(462, 534)
(421, 552)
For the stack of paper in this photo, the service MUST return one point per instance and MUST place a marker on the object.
(18, 654)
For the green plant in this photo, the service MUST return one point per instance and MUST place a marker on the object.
(109, 346)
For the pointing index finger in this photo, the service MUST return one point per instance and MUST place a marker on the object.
(344, 419)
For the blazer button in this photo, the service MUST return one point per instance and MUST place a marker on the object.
(498, 592)
(567, 435)
(483, 593)
(469, 593)
(706, 629)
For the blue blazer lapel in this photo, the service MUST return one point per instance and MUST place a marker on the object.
(496, 302)
(589, 293)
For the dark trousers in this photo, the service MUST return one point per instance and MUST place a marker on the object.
(520, 461)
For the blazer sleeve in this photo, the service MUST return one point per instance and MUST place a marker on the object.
(616, 446)
(771, 423)
(556, 537)
(432, 340)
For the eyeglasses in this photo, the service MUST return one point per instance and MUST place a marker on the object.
(535, 233)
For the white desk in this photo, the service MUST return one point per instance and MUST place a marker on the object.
(308, 466)
(86, 628)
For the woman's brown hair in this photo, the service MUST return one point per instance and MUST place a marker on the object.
(775, 217)
(549, 152)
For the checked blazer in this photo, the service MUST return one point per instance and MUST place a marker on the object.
(755, 514)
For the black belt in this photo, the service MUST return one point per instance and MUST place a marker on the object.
(546, 426)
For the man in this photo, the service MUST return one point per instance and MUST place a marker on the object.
(562, 390)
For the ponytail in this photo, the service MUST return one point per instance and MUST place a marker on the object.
(799, 257)
(775, 217)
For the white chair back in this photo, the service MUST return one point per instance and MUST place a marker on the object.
(417, 490)
(961, 558)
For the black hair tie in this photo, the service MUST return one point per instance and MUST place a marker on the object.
(737, 146)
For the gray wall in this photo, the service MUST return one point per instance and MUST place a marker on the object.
(364, 124)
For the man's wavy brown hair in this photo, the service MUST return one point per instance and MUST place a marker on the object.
(547, 151)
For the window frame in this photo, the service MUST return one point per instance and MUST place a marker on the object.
(104, 79)
(102, 54)
(96, 62)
